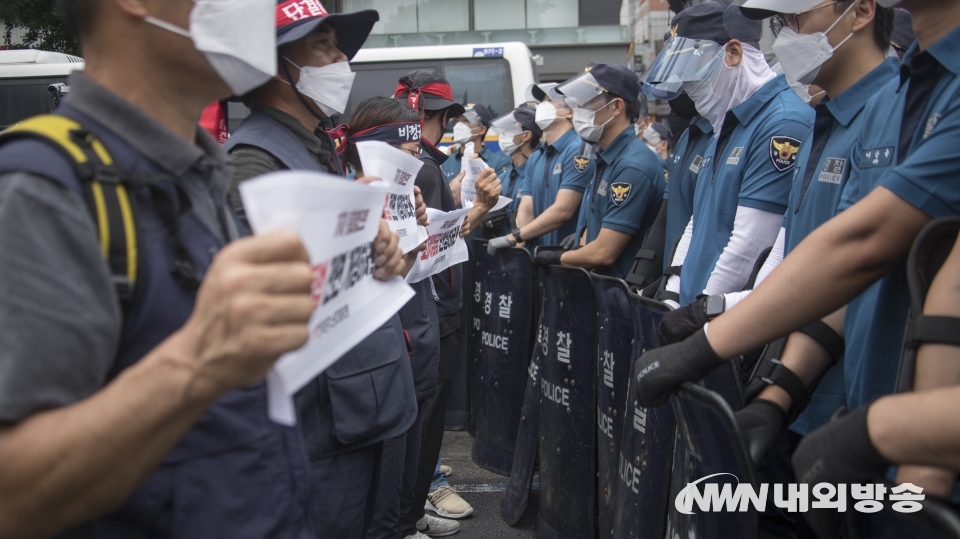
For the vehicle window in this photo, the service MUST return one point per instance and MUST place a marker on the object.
(21, 98)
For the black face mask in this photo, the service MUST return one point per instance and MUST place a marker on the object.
(683, 107)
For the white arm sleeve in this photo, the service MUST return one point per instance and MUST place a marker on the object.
(773, 260)
(753, 231)
(673, 283)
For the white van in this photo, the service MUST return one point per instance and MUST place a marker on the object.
(496, 75)
(25, 80)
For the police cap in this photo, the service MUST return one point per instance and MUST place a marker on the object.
(714, 21)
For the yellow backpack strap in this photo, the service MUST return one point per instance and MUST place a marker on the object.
(105, 194)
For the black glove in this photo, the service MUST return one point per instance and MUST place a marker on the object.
(840, 452)
(760, 424)
(570, 242)
(548, 258)
(662, 369)
(495, 221)
(679, 324)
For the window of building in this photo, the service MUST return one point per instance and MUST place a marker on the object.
(499, 15)
(443, 16)
(553, 14)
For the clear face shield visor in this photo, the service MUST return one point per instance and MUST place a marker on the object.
(472, 118)
(507, 126)
(581, 90)
(682, 60)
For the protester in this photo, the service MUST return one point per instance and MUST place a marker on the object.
(284, 132)
(133, 399)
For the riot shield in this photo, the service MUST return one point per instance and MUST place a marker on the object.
(709, 456)
(935, 520)
(514, 501)
(615, 339)
(568, 399)
(502, 306)
(644, 459)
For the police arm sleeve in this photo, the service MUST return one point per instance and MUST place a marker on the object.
(773, 260)
(753, 231)
(70, 448)
(679, 257)
(834, 264)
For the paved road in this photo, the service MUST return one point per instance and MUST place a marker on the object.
(482, 489)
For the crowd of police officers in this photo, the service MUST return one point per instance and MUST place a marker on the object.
(140, 316)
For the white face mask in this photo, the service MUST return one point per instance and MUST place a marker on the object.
(802, 55)
(583, 123)
(236, 36)
(638, 129)
(545, 115)
(506, 144)
(462, 133)
(328, 86)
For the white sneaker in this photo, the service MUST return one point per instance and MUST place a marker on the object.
(417, 535)
(432, 526)
(447, 503)
(445, 470)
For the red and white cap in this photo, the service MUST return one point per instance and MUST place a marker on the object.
(298, 18)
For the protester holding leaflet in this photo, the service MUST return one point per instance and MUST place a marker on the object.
(285, 131)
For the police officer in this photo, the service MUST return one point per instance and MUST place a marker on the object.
(759, 123)
(556, 177)
(472, 126)
(643, 121)
(519, 139)
(657, 137)
(856, 257)
(627, 190)
(132, 400)
(432, 318)
(284, 132)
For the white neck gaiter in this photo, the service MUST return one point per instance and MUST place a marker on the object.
(730, 87)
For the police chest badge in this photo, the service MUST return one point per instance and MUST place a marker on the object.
(619, 193)
(581, 163)
(783, 152)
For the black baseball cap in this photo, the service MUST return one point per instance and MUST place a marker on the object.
(615, 79)
(526, 117)
(426, 89)
(903, 35)
(298, 18)
(717, 22)
(477, 114)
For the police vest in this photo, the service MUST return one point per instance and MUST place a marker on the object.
(235, 473)
(366, 396)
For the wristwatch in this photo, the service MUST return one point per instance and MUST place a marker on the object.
(516, 234)
(714, 306)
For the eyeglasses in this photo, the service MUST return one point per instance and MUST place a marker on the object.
(792, 20)
(416, 153)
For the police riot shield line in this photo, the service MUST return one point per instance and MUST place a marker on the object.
(513, 504)
(500, 345)
(644, 459)
(616, 337)
(709, 460)
(568, 443)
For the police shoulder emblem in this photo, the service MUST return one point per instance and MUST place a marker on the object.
(620, 192)
(783, 152)
(581, 163)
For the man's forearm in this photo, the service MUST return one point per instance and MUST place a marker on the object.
(553, 218)
(918, 428)
(474, 219)
(524, 213)
(806, 358)
(832, 266)
(68, 465)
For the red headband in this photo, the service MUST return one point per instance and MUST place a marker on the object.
(406, 88)
(297, 10)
